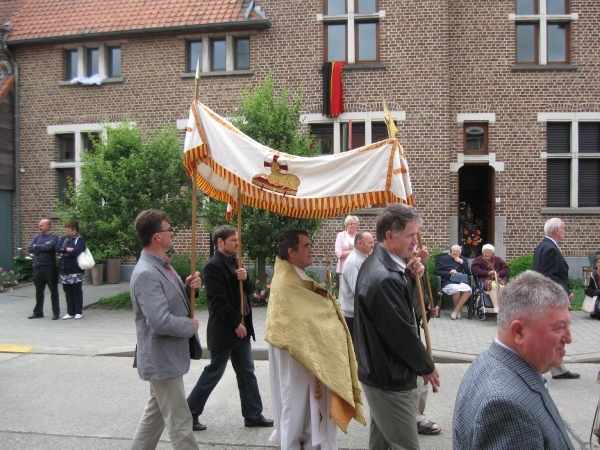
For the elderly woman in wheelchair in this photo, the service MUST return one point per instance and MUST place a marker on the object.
(491, 272)
(454, 272)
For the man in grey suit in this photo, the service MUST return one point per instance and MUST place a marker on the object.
(503, 400)
(161, 306)
(548, 260)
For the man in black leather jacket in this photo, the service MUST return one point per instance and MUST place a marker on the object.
(388, 348)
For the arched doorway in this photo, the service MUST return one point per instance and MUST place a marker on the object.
(475, 208)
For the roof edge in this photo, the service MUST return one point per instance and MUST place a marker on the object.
(252, 24)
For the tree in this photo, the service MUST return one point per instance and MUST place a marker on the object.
(126, 174)
(275, 123)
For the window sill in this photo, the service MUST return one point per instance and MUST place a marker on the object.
(563, 211)
(545, 67)
(377, 66)
(226, 73)
(107, 80)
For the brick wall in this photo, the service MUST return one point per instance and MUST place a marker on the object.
(441, 58)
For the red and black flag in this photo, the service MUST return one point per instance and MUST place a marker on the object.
(333, 103)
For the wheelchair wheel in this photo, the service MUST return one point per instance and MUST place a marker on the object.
(480, 314)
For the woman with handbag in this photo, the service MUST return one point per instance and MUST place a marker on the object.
(454, 272)
(593, 290)
(491, 272)
(70, 275)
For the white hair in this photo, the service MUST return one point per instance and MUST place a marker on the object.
(456, 246)
(551, 225)
(349, 218)
(488, 247)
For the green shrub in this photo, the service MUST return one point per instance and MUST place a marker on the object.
(119, 301)
(23, 267)
(520, 265)
(8, 279)
(430, 268)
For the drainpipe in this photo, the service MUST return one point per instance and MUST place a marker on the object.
(7, 30)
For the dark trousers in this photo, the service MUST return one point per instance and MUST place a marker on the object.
(74, 296)
(243, 365)
(350, 323)
(42, 277)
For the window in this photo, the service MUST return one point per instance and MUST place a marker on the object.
(71, 63)
(542, 31)
(85, 61)
(242, 53)
(333, 135)
(475, 138)
(114, 62)
(351, 30)
(218, 51)
(66, 154)
(573, 164)
(194, 55)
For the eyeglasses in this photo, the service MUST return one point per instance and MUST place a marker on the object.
(169, 230)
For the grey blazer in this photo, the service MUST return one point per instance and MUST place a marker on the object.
(161, 306)
(502, 403)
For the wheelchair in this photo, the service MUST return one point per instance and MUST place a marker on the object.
(482, 303)
(445, 301)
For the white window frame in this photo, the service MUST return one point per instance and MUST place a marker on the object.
(102, 59)
(79, 130)
(350, 19)
(543, 18)
(205, 68)
(359, 117)
(574, 155)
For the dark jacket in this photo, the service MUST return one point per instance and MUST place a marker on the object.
(445, 264)
(549, 261)
(42, 246)
(223, 299)
(593, 288)
(67, 262)
(388, 349)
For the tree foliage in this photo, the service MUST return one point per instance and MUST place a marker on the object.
(273, 120)
(127, 173)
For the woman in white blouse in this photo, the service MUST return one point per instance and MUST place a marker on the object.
(344, 243)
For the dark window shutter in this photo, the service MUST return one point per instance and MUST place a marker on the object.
(558, 179)
(589, 182)
(558, 137)
(589, 137)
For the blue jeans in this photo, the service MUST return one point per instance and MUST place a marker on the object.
(243, 365)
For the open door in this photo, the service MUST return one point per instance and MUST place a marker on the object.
(475, 208)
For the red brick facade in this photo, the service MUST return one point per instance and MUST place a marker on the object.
(439, 59)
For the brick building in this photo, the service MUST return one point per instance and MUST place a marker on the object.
(496, 102)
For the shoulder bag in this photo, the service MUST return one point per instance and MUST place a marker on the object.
(459, 278)
(85, 259)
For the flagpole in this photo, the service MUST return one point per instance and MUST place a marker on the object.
(194, 207)
(239, 232)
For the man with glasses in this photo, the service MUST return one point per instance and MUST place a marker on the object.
(161, 305)
(228, 331)
(549, 261)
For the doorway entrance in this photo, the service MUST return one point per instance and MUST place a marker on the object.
(475, 208)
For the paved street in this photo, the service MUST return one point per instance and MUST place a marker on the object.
(56, 393)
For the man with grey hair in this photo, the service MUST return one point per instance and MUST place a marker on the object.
(363, 246)
(549, 261)
(388, 348)
(503, 400)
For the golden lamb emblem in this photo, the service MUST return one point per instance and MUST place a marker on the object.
(278, 180)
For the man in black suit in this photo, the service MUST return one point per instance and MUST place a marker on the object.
(228, 332)
(549, 261)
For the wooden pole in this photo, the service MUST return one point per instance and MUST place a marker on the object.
(193, 257)
(424, 316)
(426, 272)
(239, 227)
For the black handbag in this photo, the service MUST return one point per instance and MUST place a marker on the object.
(459, 278)
(195, 347)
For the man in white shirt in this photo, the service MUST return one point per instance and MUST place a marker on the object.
(363, 246)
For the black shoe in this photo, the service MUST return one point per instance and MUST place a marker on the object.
(567, 375)
(262, 421)
(196, 425)
(55, 317)
(36, 316)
